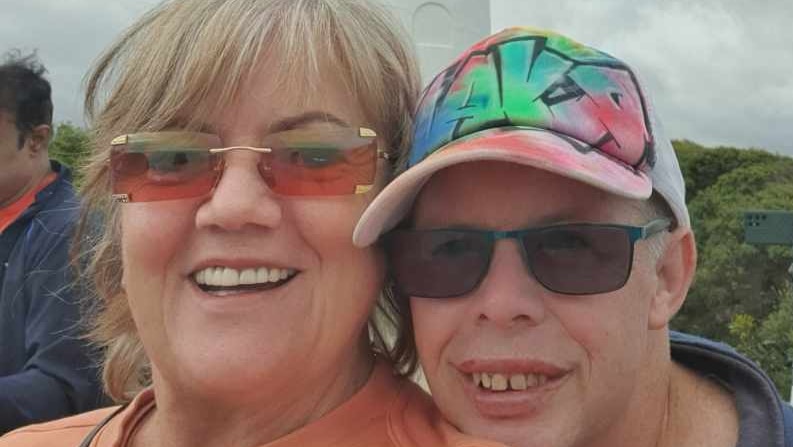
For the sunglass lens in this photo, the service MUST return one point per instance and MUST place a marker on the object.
(153, 167)
(438, 264)
(580, 259)
(320, 163)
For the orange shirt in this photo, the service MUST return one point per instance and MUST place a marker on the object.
(11, 212)
(386, 412)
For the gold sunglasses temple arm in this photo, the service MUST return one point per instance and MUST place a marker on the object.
(365, 132)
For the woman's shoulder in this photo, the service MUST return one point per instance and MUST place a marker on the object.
(67, 432)
(415, 421)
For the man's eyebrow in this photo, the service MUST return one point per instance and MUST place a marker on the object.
(310, 117)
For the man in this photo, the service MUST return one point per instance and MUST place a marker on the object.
(544, 246)
(45, 370)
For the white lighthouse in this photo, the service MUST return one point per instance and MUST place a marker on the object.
(442, 29)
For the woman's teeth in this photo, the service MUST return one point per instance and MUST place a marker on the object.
(504, 382)
(229, 277)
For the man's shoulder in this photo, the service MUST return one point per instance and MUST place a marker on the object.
(787, 411)
(52, 219)
(53, 214)
(709, 356)
(58, 200)
(68, 431)
(764, 416)
(682, 338)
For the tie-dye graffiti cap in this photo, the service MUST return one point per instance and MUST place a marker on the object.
(543, 100)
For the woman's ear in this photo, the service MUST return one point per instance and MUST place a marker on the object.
(674, 271)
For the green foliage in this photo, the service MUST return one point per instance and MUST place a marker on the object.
(739, 290)
(71, 146)
(743, 327)
(770, 342)
(702, 167)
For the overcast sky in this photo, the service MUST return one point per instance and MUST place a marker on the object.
(720, 71)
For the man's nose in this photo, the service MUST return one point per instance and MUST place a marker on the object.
(509, 294)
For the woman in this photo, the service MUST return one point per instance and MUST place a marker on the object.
(239, 141)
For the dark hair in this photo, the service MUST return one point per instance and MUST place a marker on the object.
(24, 92)
(395, 308)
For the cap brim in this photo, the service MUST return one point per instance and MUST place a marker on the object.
(533, 147)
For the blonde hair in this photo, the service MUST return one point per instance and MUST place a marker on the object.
(184, 60)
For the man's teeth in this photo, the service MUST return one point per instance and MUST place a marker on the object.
(228, 277)
(503, 382)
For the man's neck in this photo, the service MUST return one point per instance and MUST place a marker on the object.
(648, 415)
(700, 412)
(684, 410)
(34, 180)
(674, 407)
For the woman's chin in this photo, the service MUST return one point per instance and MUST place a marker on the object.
(224, 368)
(227, 381)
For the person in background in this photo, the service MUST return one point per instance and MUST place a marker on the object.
(46, 370)
(541, 243)
(237, 142)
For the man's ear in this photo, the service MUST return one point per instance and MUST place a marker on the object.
(674, 271)
(39, 139)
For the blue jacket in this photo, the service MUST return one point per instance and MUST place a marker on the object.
(45, 370)
(765, 419)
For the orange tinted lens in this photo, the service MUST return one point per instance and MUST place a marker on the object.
(328, 163)
(156, 168)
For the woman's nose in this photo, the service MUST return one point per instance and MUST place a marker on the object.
(241, 196)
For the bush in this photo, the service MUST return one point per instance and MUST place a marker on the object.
(71, 146)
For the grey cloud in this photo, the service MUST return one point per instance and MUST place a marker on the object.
(67, 35)
(720, 72)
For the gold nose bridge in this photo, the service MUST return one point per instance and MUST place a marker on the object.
(220, 167)
(223, 150)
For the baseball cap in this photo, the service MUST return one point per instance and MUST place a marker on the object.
(539, 99)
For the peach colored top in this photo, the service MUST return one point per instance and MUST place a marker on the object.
(387, 412)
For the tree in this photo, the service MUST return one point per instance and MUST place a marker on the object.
(769, 342)
(71, 146)
(739, 290)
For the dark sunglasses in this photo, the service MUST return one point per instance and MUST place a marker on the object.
(570, 259)
(146, 167)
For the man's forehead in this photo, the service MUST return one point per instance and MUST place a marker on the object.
(499, 194)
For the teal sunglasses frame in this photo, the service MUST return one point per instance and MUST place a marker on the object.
(398, 240)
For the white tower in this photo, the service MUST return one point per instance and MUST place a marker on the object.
(442, 29)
